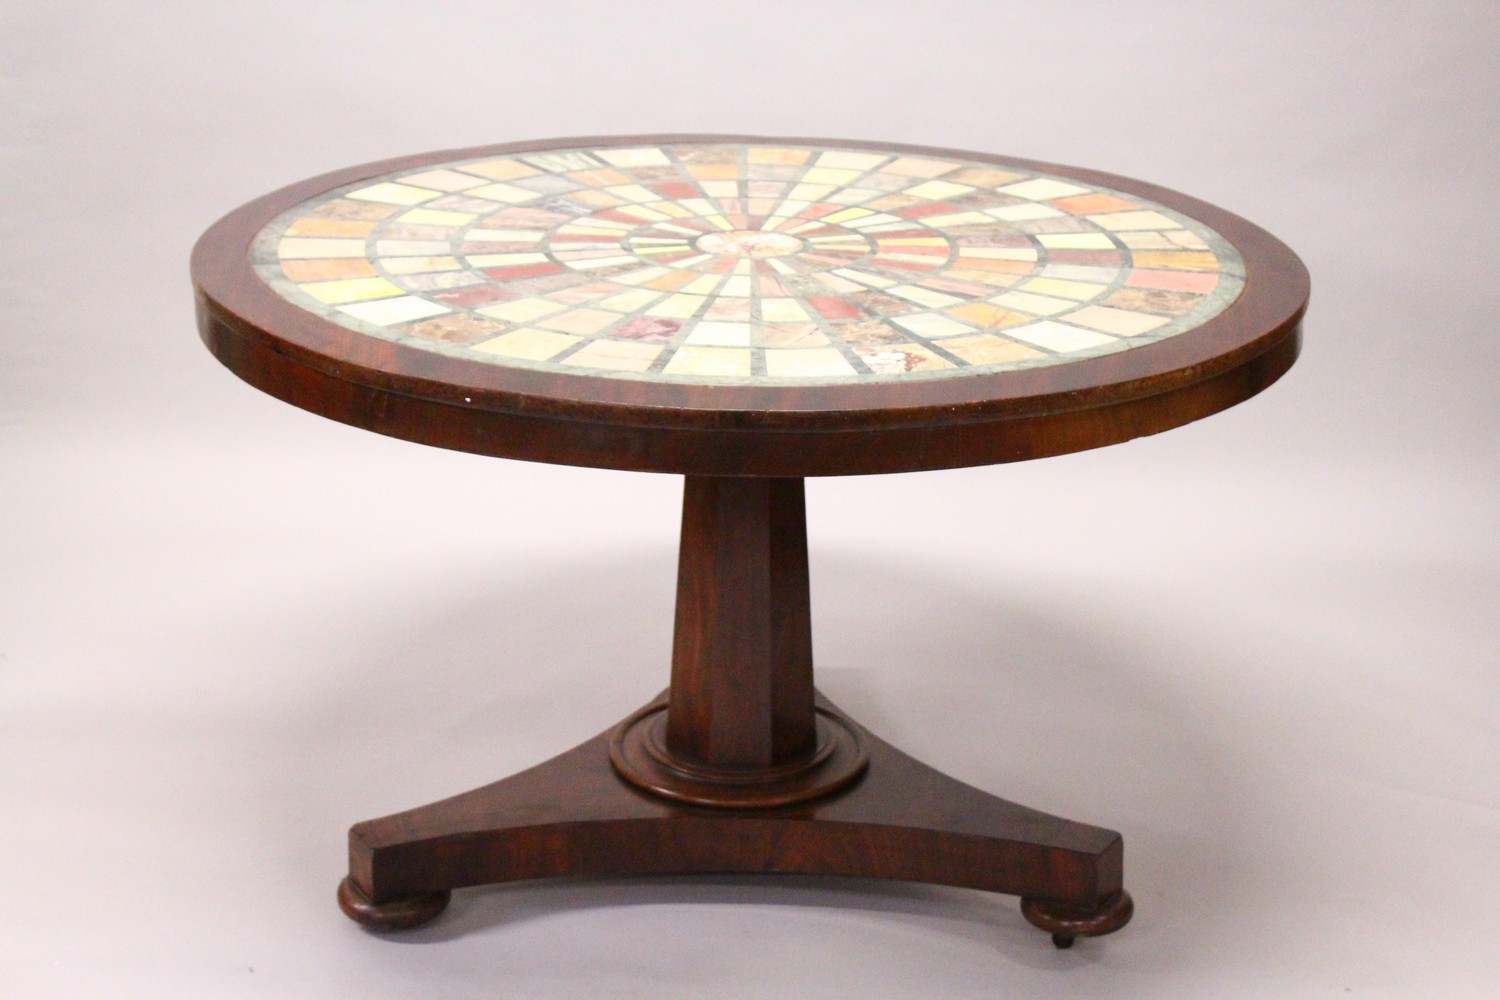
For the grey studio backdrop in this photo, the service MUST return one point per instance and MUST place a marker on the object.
(1262, 646)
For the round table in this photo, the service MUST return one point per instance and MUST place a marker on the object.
(745, 312)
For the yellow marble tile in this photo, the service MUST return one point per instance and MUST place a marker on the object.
(1037, 305)
(782, 310)
(391, 193)
(326, 270)
(633, 192)
(939, 190)
(677, 306)
(389, 312)
(507, 194)
(777, 157)
(985, 177)
(1120, 221)
(500, 170)
(931, 325)
(433, 217)
(643, 156)
(721, 362)
(711, 334)
(351, 290)
(811, 362)
(442, 180)
(615, 355)
(852, 196)
(1059, 337)
(1079, 290)
(988, 315)
(827, 175)
(855, 161)
(636, 298)
(580, 321)
(1042, 189)
(923, 296)
(1186, 260)
(331, 227)
(1024, 212)
(959, 219)
(528, 344)
(805, 194)
(713, 171)
(302, 248)
(846, 215)
(917, 166)
(703, 284)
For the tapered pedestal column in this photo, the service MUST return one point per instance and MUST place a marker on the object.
(739, 767)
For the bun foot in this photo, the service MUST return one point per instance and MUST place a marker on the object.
(1067, 922)
(397, 915)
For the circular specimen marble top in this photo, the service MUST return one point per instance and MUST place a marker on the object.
(763, 278)
(733, 262)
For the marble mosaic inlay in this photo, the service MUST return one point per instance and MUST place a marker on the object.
(748, 263)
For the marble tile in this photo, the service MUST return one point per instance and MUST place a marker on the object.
(579, 321)
(648, 328)
(391, 193)
(1042, 189)
(709, 333)
(1120, 322)
(615, 355)
(313, 226)
(440, 281)
(988, 349)
(812, 362)
(600, 262)
(389, 312)
(459, 328)
(521, 310)
(500, 170)
(932, 325)
(304, 248)
(350, 290)
(793, 335)
(1036, 305)
(898, 359)
(443, 180)
(327, 270)
(644, 157)
(528, 344)
(718, 362)
(988, 315)
(1059, 337)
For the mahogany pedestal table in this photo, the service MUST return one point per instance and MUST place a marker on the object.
(744, 312)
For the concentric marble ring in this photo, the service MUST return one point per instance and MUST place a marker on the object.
(748, 263)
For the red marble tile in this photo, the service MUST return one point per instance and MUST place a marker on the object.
(474, 296)
(524, 271)
(1096, 258)
(831, 307)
